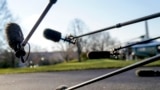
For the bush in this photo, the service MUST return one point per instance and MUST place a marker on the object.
(84, 56)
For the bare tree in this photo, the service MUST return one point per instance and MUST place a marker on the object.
(100, 42)
(7, 59)
(67, 51)
(78, 27)
(5, 17)
(35, 48)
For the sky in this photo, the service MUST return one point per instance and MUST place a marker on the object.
(96, 14)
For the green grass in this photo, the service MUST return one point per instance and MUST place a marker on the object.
(74, 65)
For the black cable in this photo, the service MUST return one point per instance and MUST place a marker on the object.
(28, 52)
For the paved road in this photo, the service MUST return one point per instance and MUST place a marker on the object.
(51, 80)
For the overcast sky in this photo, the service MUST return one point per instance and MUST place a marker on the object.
(96, 14)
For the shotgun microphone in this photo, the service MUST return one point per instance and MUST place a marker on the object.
(14, 38)
(52, 35)
(99, 54)
(55, 36)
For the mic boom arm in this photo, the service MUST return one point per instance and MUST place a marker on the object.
(39, 21)
(123, 24)
(113, 73)
(142, 42)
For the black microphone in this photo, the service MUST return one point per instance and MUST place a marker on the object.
(52, 35)
(56, 36)
(147, 73)
(14, 38)
(99, 54)
(14, 35)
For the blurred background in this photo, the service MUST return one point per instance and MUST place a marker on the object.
(77, 17)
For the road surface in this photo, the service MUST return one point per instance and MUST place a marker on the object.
(51, 80)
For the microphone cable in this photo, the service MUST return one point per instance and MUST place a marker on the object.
(29, 50)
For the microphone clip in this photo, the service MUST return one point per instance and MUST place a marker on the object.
(115, 53)
(70, 39)
(20, 53)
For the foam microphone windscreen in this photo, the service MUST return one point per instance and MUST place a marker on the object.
(52, 35)
(14, 35)
(98, 54)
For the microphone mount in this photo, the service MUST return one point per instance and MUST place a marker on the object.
(70, 39)
(20, 53)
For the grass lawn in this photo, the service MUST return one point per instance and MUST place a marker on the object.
(74, 65)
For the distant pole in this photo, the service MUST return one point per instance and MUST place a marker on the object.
(147, 30)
